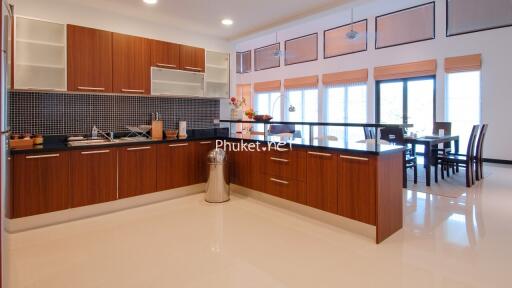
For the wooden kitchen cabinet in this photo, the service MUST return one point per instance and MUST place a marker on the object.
(192, 58)
(137, 170)
(94, 176)
(165, 54)
(357, 188)
(131, 64)
(202, 148)
(89, 59)
(40, 183)
(246, 169)
(176, 165)
(322, 190)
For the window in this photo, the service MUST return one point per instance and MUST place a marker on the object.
(305, 102)
(243, 62)
(264, 103)
(267, 57)
(466, 16)
(345, 104)
(463, 103)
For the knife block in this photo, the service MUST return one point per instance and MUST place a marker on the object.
(157, 130)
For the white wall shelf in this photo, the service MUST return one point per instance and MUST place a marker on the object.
(39, 54)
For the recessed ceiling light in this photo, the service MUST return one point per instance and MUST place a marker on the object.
(150, 1)
(227, 22)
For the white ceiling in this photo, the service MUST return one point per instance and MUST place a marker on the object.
(204, 16)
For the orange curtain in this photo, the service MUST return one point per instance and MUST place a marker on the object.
(463, 63)
(301, 82)
(267, 86)
(407, 70)
(346, 77)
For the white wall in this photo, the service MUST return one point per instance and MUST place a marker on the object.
(494, 45)
(68, 12)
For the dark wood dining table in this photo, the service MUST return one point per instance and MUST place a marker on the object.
(431, 142)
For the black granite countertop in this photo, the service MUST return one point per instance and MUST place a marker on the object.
(58, 143)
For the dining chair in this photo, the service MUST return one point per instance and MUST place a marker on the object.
(396, 135)
(479, 163)
(369, 133)
(447, 128)
(463, 160)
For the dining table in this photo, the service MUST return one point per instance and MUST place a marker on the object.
(430, 142)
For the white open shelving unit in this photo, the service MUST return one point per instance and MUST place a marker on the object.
(176, 83)
(39, 54)
(217, 75)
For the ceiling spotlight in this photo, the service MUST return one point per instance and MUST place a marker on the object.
(150, 1)
(227, 22)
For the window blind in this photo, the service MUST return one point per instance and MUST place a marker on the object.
(346, 77)
(463, 63)
(406, 70)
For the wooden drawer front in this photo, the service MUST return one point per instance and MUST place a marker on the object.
(357, 188)
(292, 190)
(322, 180)
(285, 164)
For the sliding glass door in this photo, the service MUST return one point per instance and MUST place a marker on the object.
(407, 101)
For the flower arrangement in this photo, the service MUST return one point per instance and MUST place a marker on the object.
(250, 113)
(237, 103)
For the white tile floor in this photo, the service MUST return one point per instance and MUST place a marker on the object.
(446, 242)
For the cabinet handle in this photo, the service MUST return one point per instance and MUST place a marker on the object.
(320, 154)
(354, 158)
(279, 149)
(206, 142)
(138, 148)
(132, 91)
(178, 145)
(279, 159)
(90, 88)
(95, 152)
(279, 181)
(193, 68)
(166, 65)
(42, 156)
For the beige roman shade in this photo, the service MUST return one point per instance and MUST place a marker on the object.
(301, 82)
(463, 63)
(267, 86)
(346, 77)
(407, 70)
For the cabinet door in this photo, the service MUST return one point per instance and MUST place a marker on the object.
(176, 166)
(247, 169)
(357, 188)
(94, 176)
(165, 54)
(137, 171)
(202, 148)
(40, 183)
(131, 64)
(322, 190)
(192, 58)
(89, 59)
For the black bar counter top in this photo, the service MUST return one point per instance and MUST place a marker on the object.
(58, 143)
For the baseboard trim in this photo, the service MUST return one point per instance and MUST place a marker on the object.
(73, 214)
(300, 210)
(498, 161)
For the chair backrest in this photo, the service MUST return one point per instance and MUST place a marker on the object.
(393, 135)
(446, 126)
(471, 142)
(368, 133)
(480, 141)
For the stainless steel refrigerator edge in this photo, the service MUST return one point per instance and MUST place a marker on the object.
(4, 123)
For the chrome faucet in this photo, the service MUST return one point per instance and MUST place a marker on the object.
(109, 136)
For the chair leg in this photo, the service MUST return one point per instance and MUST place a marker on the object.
(477, 170)
(415, 173)
(481, 170)
(468, 176)
(436, 173)
(442, 170)
(448, 170)
(404, 184)
(472, 172)
(457, 168)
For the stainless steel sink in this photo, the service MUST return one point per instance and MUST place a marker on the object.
(102, 141)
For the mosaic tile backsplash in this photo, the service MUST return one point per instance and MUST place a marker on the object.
(50, 113)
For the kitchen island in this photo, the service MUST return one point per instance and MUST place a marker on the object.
(362, 182)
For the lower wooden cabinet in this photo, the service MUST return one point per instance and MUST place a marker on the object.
(176, 165)
(357, 188)
(202, 148)
(246, 169)
(322, 189)
(288, 189)
(40, 183)
(93, 174)
(137, 170)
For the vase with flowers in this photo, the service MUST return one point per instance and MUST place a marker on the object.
(236, 108)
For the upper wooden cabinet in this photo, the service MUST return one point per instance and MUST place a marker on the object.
(131, 64)
(40, 183)
(89, 53)
(165, 54)
(192, 58)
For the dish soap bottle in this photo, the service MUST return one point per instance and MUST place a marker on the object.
(94, 132)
